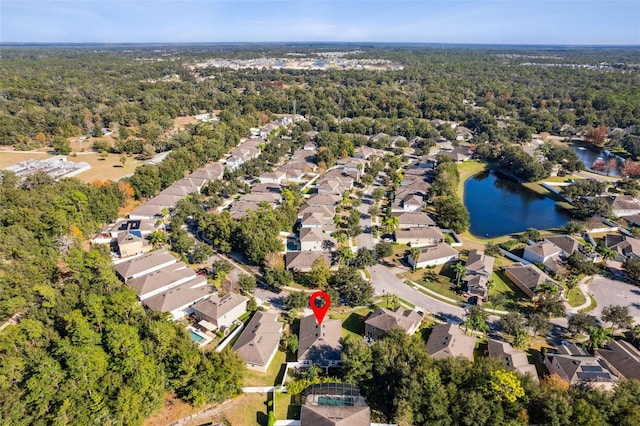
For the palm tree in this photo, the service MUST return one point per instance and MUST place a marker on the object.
(460, 270)
(391, 223)
(598, 336)
(415, 255)
(342, 238)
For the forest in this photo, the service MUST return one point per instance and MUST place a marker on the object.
(84, 351)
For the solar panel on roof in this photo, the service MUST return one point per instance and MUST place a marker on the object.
(591, 368)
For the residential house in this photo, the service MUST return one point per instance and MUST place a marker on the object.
(194, 184)
(419, 237)
(514, 359)
(478, 270)
(310, 146)
(130, 243)
(566, 243)
(622, 357)
(258, 197)
(334, 404)
(324, 200)
(319, 344)
(259, 188)
(463, 133)
(258, 343)
(312, 220)
(624, 246)
(412, 203)
(427, 162)
(180, 191)
(241, 209)
(458, 154)
(434, 255)
(328, 212)
(575, 365)
(545, 253)
(411, 220)
(302, 261)
(163, 279)
(178, 300)
(144, 264)
(623, 205)
(312, 239)
(147, 212)
(277, 177)
(220, 312)
(383, 320)
(212, 171)
(449, 340)
(528, 278)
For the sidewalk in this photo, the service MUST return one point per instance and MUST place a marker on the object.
(582, 285)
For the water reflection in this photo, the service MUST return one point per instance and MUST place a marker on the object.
(500, 206)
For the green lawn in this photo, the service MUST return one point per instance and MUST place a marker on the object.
(353, 321)
(256, 378)
(592, 306)
(438, 280)
(467, 170)
(575, 297)
(250, 410)
(284, 409)
(514, 297)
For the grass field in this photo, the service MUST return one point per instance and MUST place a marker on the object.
(256, 378)
(575, 297)
(284, 409)
(352, 321)
(591, 306)
(467, 170)
(438, 280)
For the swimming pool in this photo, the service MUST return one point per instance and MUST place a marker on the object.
(196, 337)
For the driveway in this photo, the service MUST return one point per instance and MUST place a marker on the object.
(610, 292)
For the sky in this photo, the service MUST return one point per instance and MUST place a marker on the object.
(581, 22)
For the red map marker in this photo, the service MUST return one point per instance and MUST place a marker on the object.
(318, 311)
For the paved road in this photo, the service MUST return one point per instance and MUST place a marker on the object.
(610, 292)
(384, 281)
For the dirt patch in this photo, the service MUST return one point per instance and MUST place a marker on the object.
(174, 409)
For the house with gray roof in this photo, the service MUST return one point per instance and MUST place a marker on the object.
(478, 270)
(161, 280)
(438, 254)
(319, 344)
(566, 243)
(623, 358)
(514, 359)
(302, 261)
(528, 278)
(623, 205)
(447, 340)
(179, 300)
(624, 246)
(145, 264)
(221, 311)
(419, 237)
(383, 320)
(407, 220)
(575, 365)
(259, 341)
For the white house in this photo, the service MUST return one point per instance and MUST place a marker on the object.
(438, 254)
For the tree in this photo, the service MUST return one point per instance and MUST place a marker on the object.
(247, 283)
(297, 300)
(581, 323)
(356, 361)
(506, 384)
(123, 160)
(158, 238)
(598, 336)
(320, 273)
(415, 256)
(377, 194)
(61, 145)
(292, 343)
(476, 319)
(512, 322)
(533, 234)
(574, 227)
(384, 249)
(391, 223)
(596, 136)
(201, 252)
(539, 323)
(365, 257)
(632, 267)
(492, 249)
(521, 339)
(460, 269)
(617, 316)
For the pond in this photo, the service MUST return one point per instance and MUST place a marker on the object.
(499, 206)
(597, 160)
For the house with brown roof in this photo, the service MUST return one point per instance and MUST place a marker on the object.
(221, 311)
(383, 320)
(567, 244)
(319, 344)
(334, 404)
(541, 252)
(438, 254)
(447, 340)
(179, 300)
(419, 237)
(412, 203)
(528, 278)
(457, 154)
(575, 365)
(478, 270)
(514, 359)
(408, 220)
(313, 239)
(277, 177)
(324, 200)
(147, 212)
(622, 357)
(145, 264)
(258, 343)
